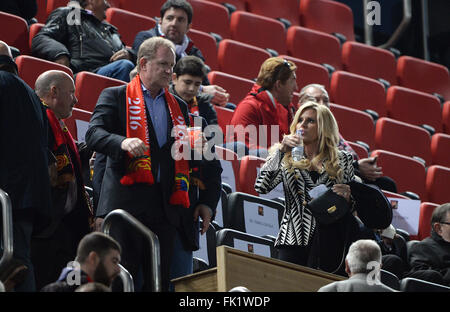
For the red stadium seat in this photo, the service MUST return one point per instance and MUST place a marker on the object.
(41, 14)
(54, 4)
(446, 117)
(287, 9)
(369, 61)
(426, 210)
(31, 67)
(411, 72)
(207, 45)
(237, 87)
(128, 23)
(358, 92)
(224, 116)
(147, 8)
(437, 183)
(349, 119)
(78, 123)
(34, 29)
(14, 31)
(327, 16)
(260, 31)
(408, 173)
(240, 5)
(414, 107)
(440, 149)
(211, 17)
(403, 138)
(360, 150)
(89, 86)
(308, 72)
(230, 56)
(230, 165)
(248, 173)
(314, 46)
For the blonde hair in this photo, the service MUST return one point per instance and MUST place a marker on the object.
(273, 69)
(149, 48)
(328, 139)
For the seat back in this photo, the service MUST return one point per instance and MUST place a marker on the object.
(287, 9)
(396, 165)
(14, 31)
(207, 45)
(327, 16)
(369, 61)
(237, 87)
(308, 72)
(257, 30)
(410, 284)
(147, 8)
(314, 46)
(224, 116)
(78, 123)
(231, 53)
(240, 5)
(248, 171)
(230, 166)
(34, 29)
(437, 183)
(440, 147)
(41, 15)
(128, 23)
(210, 17)
(357, 92)
(389, 279)
(360, 150)
(54, 4)
(411, 72)
(31, 67)
(89, 86)
(409, 105)
(426, 210)
(207, 247)
(349, 119)
(403, 138)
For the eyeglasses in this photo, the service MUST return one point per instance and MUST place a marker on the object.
(279, 67)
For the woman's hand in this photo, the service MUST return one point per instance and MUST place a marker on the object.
(342, 190)
(289, 141)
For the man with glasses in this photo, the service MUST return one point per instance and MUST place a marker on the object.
(433, 253)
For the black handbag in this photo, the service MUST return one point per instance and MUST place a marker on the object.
(328, 207)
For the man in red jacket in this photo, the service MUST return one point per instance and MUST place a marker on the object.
(265, 114)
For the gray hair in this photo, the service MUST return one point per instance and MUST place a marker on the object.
(5, 49)
(303, 97)
(150, 46)
(361, 253)
(440, 213)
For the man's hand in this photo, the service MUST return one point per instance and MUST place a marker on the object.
(63, 60)
(98, 224)
(220, 94)
(134, 146)
(120, 55)
(205, 213)
(369, 169)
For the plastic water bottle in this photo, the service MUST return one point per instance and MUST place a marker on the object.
(297, 152)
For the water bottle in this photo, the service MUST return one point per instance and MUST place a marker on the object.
(297, 152)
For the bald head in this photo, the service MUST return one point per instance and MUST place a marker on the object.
(56, 88)
(4, 49)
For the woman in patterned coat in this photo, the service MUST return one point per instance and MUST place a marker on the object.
(301, 239)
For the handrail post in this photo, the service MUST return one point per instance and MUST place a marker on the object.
(154, 241)
(7, 228)
(127, 279)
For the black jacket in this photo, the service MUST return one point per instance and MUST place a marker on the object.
(88, 45)
(23, 8)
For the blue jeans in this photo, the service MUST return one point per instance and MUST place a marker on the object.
(119, 69)
(182, 261)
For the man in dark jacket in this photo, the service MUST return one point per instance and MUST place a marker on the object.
(175, 21)
(80, 38)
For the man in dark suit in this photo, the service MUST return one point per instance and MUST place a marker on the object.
(23, 162)
(140, 171)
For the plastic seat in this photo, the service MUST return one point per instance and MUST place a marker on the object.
(414, 107)
(437, 183)
(446, 117)
(253, 214)
(426, 210)
(358, 92)
(207, 246)
(365, 60)
(308, 72)
(207, 45)
(31, 67)
(403, 138)
(360, 150)
(89, 86)
(78, 123)
(440, 149)
(223, 202)
(230, 166)
(248, 173)
(54, 4)
(349, 119)
(128, 23)
(41, 15)
(240, 5)
(231, 53)
(410, 284)
(260, 31)
(389, 279)
(314, 46)
(408, 173)
(411, 72)
(237, 87)
(34, 29)
(211, 17)
(286, 9)
(246, 242)
(327, 16)
(147, 8)
(224, 116)
(14, 31)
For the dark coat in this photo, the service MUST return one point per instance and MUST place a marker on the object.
(26, 9)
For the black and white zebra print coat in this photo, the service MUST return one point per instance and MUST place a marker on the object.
(297, 225)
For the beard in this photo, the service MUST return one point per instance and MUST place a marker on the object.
(101, 275)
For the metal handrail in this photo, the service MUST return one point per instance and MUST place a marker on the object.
(7, 228)
(127, 279)
(154, 242)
